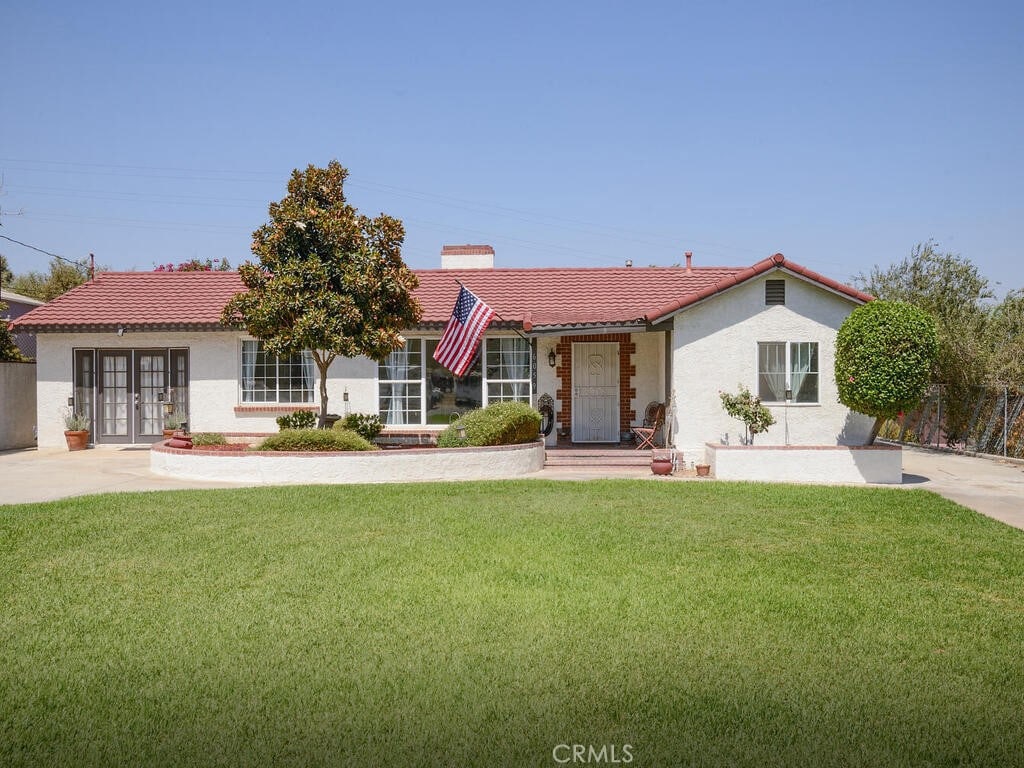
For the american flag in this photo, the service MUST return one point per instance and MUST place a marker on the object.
(470, 318)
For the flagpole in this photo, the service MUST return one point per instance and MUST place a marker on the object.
(523, 336)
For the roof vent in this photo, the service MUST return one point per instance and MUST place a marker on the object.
(467, 257)
(774, 292)
(689, 260)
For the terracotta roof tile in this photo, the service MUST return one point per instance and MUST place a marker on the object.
(533, 298)
(139, 300)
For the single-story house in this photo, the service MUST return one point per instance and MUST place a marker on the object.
(18, 305)
(602, 343)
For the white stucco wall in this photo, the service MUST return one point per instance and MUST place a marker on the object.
(649, 380)
(547, 381)
(214, 372)
(715, 349)
(793, 464)
(394, 466)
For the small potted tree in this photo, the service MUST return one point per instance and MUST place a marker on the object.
(76, 430)
(744, 406)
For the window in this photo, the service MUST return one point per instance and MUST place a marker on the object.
(508, 369)
(268, 378)
(774, 292)
(791, 366)
(414, 389)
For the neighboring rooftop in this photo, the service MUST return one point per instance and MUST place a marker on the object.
(10, 296)
(535, 299)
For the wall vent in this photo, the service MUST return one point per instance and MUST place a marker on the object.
(774, 292)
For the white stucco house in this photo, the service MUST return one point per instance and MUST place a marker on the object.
(603, 343)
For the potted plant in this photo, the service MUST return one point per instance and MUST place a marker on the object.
(661, 462)
(744, 406)
(172, 423)
(76, 430)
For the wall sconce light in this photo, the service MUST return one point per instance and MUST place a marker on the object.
(71, 402)
(552, 359)
(120, 330)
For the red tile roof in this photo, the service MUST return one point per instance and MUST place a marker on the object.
(138, 301)
(531, 298)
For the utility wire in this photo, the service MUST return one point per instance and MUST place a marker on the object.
(48, 253)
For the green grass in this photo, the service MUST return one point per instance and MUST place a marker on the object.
(486, 623)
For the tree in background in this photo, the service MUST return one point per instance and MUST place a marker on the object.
(329, 280)
(885, 351)
(61, 278)
(9, 351)
(6, 276)
(196, 265)
(1006, 331)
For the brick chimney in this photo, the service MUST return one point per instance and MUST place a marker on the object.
(467, 257)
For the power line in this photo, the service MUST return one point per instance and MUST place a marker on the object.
(48, 253)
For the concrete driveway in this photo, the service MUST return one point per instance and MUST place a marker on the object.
(992, 487)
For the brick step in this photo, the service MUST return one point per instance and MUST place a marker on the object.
(597, 458)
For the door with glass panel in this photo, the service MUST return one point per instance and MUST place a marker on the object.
(114, 400)
(135, 389)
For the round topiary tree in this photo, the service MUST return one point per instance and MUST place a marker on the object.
(885, 351)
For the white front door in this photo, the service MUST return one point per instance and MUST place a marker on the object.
(595, 386)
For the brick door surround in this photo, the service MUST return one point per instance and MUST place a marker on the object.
(563, 371)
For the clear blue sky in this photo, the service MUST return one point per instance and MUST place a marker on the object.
(564, 134)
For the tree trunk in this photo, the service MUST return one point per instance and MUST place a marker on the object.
(875, 429)
(323, 362)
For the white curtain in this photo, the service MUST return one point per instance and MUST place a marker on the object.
(802, 359)
(397, 368)
(515, 363)
(249, 349)
(772, 367)
(307, 377)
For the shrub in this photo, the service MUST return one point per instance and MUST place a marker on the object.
(315, 440)
(508, 423)
(884, 356)
(744, 406)
(209, 438)
(365, 424)
(297, 420)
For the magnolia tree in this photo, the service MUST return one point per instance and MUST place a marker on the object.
(329, 279)
(9, 351)
(885, 351)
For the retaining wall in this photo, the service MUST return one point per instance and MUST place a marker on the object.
(807, 463)
(406, 465)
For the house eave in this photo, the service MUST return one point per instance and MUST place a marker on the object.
(115, 327)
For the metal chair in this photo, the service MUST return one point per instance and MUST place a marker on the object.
(653, 421)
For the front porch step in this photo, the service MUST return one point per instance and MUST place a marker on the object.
(596, 457)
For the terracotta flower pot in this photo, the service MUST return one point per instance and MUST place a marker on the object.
(78, 440)
(703, 470)
(661, 466)
(180, 440)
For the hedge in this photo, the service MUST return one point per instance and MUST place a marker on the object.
(315, 440)
(508, 423)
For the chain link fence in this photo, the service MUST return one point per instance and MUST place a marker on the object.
(989, 420)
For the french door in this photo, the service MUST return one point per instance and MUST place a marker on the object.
(128, 392)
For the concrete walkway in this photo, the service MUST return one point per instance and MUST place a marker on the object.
(991, 487)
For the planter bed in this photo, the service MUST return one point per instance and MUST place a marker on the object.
(410, 464)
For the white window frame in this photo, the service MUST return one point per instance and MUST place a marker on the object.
(307, 358)
(422, 380)
(788, 345)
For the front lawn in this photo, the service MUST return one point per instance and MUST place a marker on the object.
(488, 623)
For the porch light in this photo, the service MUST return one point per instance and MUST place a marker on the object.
(552, 359)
